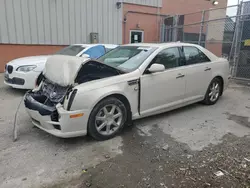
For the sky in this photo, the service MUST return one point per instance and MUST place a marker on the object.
(232, 2)
(231, 11)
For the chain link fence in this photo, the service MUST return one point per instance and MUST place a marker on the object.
(223, 31)
(242, 46)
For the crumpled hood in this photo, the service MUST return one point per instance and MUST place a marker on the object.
(31, 60)
(62, 70)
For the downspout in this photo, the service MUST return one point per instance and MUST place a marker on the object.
(124, 29)
(158, 21)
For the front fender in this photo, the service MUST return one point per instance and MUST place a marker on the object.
(114, 92)
(88, 99)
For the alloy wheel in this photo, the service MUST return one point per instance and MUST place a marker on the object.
(109, 119)
(214, 91)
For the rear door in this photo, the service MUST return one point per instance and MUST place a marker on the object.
(198, 73)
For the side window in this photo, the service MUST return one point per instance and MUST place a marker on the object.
(95, 51)
(193, 55)
(169, 57)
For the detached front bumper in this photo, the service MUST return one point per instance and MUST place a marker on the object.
(56, 120)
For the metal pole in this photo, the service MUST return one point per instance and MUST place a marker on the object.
(201, 27)
(158, 21)
(163, 32)
(235, 60)
(175, 31)
(183, 34)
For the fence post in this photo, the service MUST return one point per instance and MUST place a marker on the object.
(175, 28)
(163, 32)
(201, 27)
(236, 50)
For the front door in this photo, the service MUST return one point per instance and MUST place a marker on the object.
(136, 36)
(165, 89)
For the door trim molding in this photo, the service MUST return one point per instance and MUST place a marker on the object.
(170, 106)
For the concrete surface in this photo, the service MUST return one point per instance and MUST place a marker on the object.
(199, 125)
(38, 159)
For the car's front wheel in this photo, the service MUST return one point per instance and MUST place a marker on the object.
(213, 92)
(107, 119)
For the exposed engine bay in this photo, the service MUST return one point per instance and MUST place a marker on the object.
(45, 99)
(49, 93)
(93, 70)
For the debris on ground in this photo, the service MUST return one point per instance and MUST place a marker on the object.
(222, 165)
(243, 165)
(84, 170)
(207, 184)
(88, 184)
(163, 185)
(248, 160)
(189, 156)
(183, 169)
(107, 156)
(165, 147)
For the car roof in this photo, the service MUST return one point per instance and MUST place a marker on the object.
(158, 45)
(174, 44)
(91, 45)
(85, 45)
(110, 45)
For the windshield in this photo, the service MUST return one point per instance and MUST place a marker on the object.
(127, 58)
(71, 50)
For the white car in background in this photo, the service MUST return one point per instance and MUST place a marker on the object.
(130, 82)
(22, 73)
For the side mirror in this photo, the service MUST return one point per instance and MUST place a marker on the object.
(85, 56)
(156, 68)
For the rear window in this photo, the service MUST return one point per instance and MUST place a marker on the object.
(71, 50)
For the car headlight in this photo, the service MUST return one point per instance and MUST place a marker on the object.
(26, 68)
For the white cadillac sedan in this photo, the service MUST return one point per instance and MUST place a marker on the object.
(22, 73)
(130, 82)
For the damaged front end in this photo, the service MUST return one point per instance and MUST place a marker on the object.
(45, 104)
(46, 98)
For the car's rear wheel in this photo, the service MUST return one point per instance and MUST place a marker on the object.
(107, 119)
(213, 92)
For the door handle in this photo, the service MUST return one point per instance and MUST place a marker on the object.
(207, 69)
(180, 76)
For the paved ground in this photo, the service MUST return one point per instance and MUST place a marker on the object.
(182, 148)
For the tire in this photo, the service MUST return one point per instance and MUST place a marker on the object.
(107, 119)
(213, 92)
